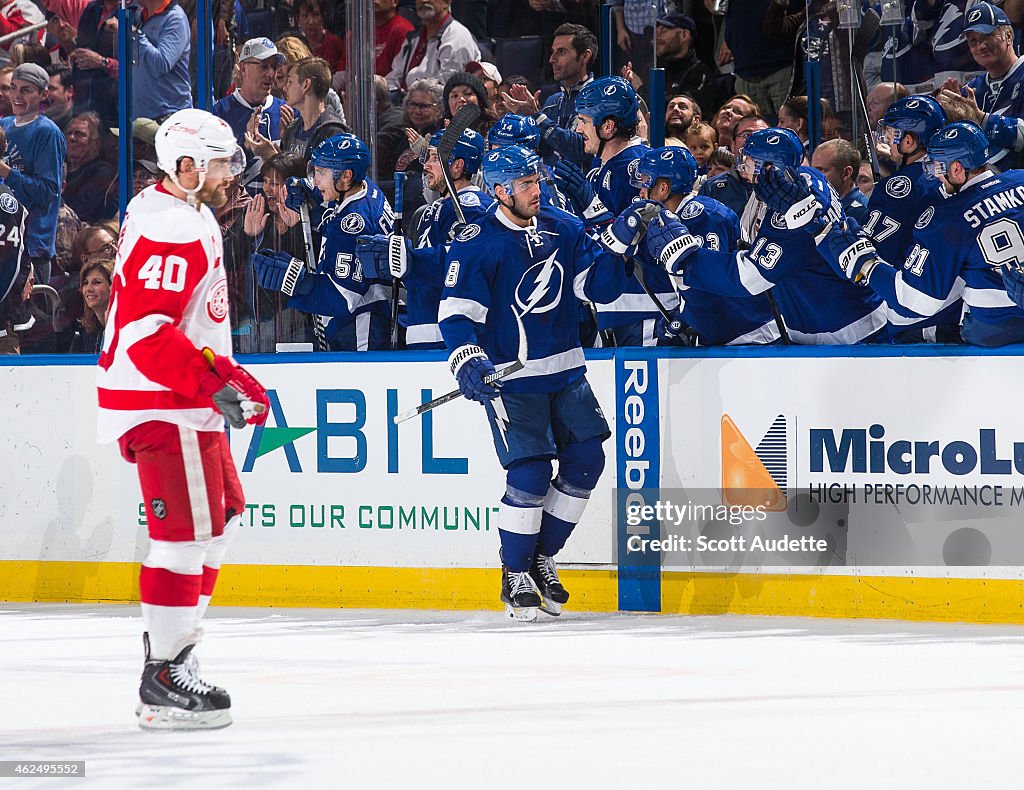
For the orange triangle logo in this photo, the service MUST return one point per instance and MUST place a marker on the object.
(745, 480)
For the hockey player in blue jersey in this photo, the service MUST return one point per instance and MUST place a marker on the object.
(898, 200)
(817, 306)
(420, 263)
(961, 245)
(527, 265)
(512, 129)
(345, 205)
(667, 175)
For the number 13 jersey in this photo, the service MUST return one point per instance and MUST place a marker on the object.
(169, 300)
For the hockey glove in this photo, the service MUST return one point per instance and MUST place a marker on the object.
(1013, 280)
(670, 243)
(786, 193)
(301, 191)
(628, 228)
(383, 255)
(674, 332)
(574, 184)
(470, 366)
(279, 271)
(850, 255)
(235, 393)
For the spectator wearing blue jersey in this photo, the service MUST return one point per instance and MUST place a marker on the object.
(995, 100)
(252, 113)
(573, 53)
(838, 161)
(34, 164)
(161, 44)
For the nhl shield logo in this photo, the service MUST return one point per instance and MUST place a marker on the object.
(353, 223)
(159, 508)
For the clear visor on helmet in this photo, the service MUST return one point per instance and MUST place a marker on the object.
(748, 166)
(228, 167)
(641, 180)
(522, 183)
(428, 154)
(888, 135)
(933, 168)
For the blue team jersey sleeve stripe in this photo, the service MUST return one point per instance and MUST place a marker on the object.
(454, 306)
(750, 275)
(987, 298)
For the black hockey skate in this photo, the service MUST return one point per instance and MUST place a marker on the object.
(519, 594)
(173, 697)
(545, 577)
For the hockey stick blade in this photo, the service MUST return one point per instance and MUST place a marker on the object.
(462, 121)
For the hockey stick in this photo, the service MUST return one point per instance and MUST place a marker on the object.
(462, 120)
(319, 335)
(497, 375)
(399, 211)
(858, 50)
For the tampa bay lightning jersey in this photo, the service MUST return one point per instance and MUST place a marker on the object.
(341, 290)
(959, 246)
(498, 270)
(1004, 97)
(424, 280)
(728, 188)
(612, 179)
(722, 320)
(237, 113)
(818, 307)
(945, 22)
(914, 62)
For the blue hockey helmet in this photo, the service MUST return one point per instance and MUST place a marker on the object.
(672, 162)
(503, 166)
(919, 115)
(342, 152)
(469, 148)
(512, 129)
(960, 141)
(608, 97)
(779, 146)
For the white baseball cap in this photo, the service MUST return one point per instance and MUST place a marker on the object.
(259, 49)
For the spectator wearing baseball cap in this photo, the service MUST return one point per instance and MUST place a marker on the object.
(34, 163)
(998, 92)
(250, 108)
(684, 73)
(161, 47)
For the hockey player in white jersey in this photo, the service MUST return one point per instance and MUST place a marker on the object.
(527, 265)
(166, 382)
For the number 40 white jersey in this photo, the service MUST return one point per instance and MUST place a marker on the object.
(960, 244)
(169, 299)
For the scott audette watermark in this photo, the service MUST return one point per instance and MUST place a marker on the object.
(735, 543)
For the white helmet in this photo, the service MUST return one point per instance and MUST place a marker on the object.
(201, 136)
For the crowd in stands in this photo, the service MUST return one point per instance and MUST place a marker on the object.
(732, 67)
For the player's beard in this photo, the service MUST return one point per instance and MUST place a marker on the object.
(525, 213)
(212, 196)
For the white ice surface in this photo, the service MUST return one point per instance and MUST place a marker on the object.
(383, 699)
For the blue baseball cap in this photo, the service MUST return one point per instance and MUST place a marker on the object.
(679, 21)
(984, 18)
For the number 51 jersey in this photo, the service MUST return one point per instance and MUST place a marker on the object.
(169, 299)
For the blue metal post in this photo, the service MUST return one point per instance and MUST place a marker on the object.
(607, 41)
(204, 56)
(124, 106)
(657, 107)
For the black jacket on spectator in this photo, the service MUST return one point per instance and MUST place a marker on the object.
(391, 141)
(295, 140)
(690, 76)
(94, 89)
(88, 192)
(755, 54)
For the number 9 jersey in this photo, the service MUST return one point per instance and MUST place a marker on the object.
(168, 300)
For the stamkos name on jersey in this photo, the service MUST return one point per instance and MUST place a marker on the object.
(994, 205)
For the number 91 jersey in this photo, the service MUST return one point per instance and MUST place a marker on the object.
(959, 246)
(168, 300)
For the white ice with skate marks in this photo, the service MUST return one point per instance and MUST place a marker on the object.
(380, 699)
